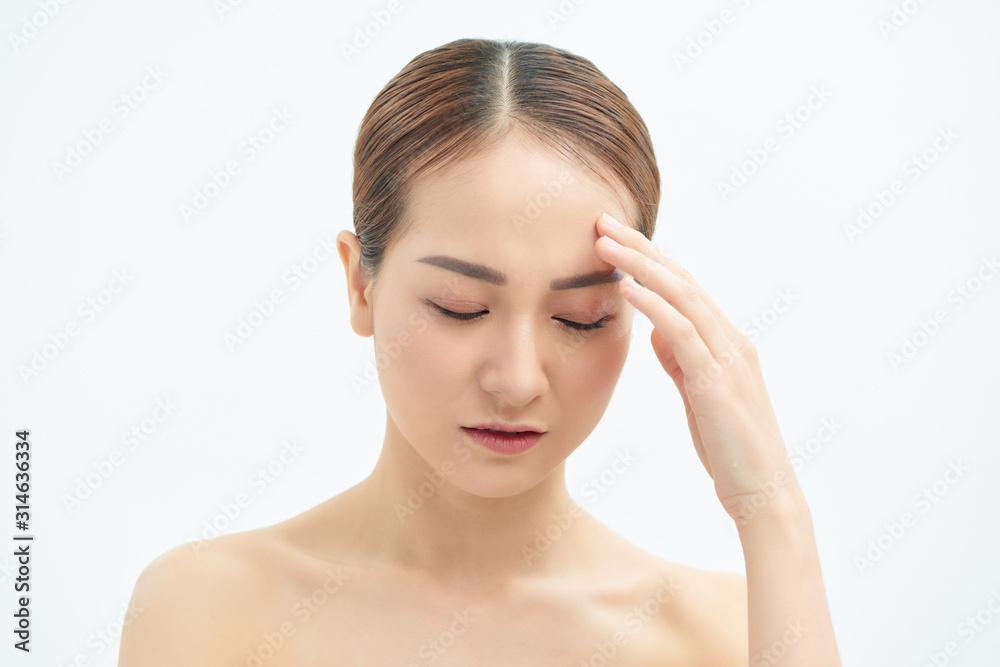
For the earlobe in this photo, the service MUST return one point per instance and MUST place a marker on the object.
(357, 283)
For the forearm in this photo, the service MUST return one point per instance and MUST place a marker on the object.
(788, 613)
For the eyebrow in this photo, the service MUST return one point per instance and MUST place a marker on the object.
(495, 277)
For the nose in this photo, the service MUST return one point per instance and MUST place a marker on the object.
(514, 369)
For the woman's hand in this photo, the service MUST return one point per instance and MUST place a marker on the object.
(716, 370)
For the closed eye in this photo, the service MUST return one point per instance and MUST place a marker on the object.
(578, 326)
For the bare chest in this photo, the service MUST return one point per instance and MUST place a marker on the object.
(373, 623)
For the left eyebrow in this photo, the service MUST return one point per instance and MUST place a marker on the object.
(495, 277)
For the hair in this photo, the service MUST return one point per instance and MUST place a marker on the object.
(449, 103)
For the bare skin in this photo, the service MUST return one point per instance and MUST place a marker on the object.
(493, 565)
(244, 593)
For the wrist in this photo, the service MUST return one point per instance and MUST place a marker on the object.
(785, 514)
(784, 510)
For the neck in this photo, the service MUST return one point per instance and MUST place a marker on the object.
(411, 516)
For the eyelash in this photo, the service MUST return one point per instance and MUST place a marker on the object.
(572, 326)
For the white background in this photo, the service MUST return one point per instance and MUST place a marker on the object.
(302, 374)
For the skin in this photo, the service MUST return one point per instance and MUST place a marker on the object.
(460, 575)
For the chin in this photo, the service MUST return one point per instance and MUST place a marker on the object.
(487, 482)
(490, 476)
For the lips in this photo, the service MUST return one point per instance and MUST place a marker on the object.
(504, 442)
(493, 430)
(507, 428)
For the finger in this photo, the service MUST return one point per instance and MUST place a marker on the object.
(680, 293)
(629, 236)
(665, 354)
(689, 348)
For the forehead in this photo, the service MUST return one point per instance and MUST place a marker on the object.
(515, 187)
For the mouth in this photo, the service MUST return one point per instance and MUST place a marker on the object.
(504, 442)
(493, 430)
(496, 427)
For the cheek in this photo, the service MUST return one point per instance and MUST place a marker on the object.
(592, 364)
(591, 370)
(416, 357)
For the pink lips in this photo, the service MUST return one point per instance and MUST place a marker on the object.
(511, 428)
(504, 443)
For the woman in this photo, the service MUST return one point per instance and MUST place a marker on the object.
(488, 266)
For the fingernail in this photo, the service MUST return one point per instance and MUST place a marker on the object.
(611, 221)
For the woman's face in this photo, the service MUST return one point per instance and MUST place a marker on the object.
(530, 218)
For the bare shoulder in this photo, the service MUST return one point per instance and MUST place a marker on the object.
(710, 609)
(198, 603)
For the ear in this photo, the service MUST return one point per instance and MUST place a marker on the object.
(358, 284)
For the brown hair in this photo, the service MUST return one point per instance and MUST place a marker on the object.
(451, 102)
